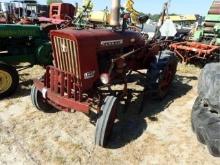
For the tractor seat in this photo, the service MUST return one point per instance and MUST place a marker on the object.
(143, 19)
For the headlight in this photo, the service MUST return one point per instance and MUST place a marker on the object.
(105, 78)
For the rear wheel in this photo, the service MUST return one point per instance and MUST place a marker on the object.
(161, 74)
(39, 102)
(9, 80)
(106, 120)
(206, 125)
(208, 84)
(206, 110)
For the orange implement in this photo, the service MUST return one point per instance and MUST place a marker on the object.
(187, 51)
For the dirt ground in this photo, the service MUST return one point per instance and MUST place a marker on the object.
(159, 133)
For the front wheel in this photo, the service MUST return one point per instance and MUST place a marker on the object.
(9, 80)
(39, 102)
(106, 120)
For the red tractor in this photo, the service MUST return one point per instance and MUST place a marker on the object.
(60, 16)
(59, 13)
(87, 63)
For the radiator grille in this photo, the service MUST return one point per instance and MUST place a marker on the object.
(66, 55)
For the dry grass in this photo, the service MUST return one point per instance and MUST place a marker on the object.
(188, 69)
(28, 136)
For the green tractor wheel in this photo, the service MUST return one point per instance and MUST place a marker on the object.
(9, 80)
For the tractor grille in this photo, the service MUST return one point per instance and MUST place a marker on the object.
(66, 55)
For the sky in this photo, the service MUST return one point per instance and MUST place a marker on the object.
(155, 6)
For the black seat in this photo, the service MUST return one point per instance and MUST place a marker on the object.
(143, 19)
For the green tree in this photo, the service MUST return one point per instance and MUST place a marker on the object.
(53, 1)
(155, 17)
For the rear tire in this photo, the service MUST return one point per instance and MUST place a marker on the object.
(39, 102)
(206, 110)
(9, 80)
(106, 120)
(161, 74)
(209, 84)
(206, 124)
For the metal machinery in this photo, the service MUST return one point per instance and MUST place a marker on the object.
(59, 13)
(29, 12)
(88, 62)
(61, 10)
(3, 12)
(137, 17)
(28, 43)
(20, 43)
(86, 17)
(205, 43)
(210, 32)
(195, 52)
(18, 9)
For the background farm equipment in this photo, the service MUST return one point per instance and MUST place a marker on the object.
(89, 62)
(60, 14)
(137, 18)
(205, 45)
(16, 10)
(57, 15)
(20, 43)
(196, 53)
(210, 32)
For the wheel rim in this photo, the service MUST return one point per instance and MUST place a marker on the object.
(5, 81)
(166, 80)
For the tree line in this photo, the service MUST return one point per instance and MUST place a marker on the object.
(53, 1)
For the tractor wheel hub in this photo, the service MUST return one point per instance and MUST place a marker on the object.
(5, 81)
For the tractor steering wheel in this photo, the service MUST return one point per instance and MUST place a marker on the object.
(68, 21)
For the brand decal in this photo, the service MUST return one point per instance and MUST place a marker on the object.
(111, 42)
(89, 75)
(63, 48)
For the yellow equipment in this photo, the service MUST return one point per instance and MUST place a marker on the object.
(99, 16)
(134, 14)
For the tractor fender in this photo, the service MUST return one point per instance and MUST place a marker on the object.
(44, 54)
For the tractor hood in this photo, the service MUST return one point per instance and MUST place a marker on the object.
(76, 51)
(102, 39)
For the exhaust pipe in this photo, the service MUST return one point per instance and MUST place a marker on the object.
(115, 13)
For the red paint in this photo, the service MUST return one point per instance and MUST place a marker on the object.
(64, 89)
(89, 44)
(59, 13)
(187, 51)
(60, 10)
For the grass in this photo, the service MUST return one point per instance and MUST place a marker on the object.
(60, 160)
(7, 103)
(183, 68)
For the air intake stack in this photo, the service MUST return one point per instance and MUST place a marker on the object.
(115, 13)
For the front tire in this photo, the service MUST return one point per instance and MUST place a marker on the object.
(106, 120)
(9, 80)
(39, 102)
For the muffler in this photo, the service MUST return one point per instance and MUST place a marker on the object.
(115, 13)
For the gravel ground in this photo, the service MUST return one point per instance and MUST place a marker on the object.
(159, 134)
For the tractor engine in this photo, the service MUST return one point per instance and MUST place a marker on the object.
(90, 53)
(26, 42)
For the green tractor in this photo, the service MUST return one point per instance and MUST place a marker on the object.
(210, 32)
(20, 43)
